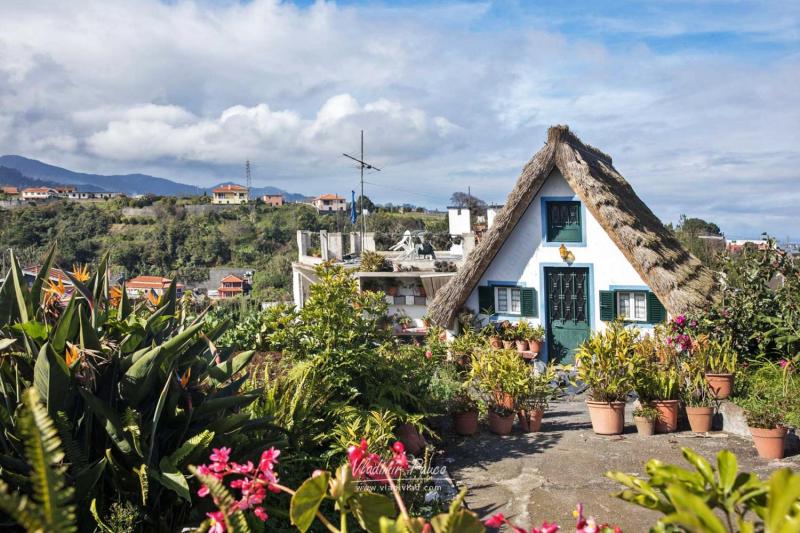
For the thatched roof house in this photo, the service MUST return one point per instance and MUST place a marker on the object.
(676, 277)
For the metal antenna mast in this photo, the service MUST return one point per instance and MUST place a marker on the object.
(249, 178)
(362, 165)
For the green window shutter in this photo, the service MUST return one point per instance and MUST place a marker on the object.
(564, 222)
(608, 306)
(530, 305)
(486, 300)
(656, 313)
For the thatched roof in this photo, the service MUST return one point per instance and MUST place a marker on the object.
(679, 279)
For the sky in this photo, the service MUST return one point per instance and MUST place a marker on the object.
(698, 102)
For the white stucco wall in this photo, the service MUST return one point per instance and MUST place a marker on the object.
(519, 260)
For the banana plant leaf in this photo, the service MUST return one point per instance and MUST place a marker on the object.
(42, 276)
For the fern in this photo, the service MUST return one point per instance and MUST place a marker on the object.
(49, 509)
(74, 452)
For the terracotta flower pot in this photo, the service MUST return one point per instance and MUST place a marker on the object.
(465, 423)
(721, 385)
(496, 342)
(504, 400)
(530, 421)
(508, 345)
(608, 418)
(535, 346)
(522, 346)
(700, 418)
(392, 291)
(500, 425)
(411, 438)
(667, 421)
(769, 442)
(645, 427)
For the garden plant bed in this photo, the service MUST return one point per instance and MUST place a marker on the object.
(541, 476)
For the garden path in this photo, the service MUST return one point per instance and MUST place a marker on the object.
(542, 476)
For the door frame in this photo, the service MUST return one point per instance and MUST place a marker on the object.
(590, 305)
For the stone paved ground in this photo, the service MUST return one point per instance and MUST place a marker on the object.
(538, 476)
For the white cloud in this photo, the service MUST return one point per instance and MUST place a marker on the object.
(449, 95)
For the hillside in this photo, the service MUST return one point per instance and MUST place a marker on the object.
(130, 184)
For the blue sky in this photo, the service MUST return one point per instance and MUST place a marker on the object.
(697, 102)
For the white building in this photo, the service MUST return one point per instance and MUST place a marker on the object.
(329, 202)
(38, 193)
(230, 194)
(572, 249)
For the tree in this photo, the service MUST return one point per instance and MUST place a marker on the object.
(462, 199)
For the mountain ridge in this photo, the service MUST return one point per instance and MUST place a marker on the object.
(130, 184)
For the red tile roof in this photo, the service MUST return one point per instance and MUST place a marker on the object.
(149, 282)
(329, 197)
(230, 188)
(37, 189)
(231, 278)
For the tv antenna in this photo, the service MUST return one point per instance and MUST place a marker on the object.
(362, 165)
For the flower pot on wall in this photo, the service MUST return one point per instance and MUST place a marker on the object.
(608, 418)
(530, 421)
(700, 418)
(522, 346)
(667, 421)
(465, 424)
(499, 424)
(535, 346)
(770, 443)
(496, 342)
(721, 385)
(645, 427)
(392, 291)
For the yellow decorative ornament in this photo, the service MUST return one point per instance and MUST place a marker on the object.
(566, 254)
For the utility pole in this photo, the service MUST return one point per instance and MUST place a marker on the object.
(362, 165)
(249, 179)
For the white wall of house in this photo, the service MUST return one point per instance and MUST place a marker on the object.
(522, 256)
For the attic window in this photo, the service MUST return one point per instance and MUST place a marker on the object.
(564, 221)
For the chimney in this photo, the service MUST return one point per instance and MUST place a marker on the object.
(459, 220)
(467, 243)
(491, 213)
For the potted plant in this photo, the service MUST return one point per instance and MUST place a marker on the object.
(657, 380)
(645, 417)
(766, 423)
(464, 408)
(604, 364)
(463, 346)
(500, 375)
(534, 398)
(522, 332)
(722, 359)
(490, 332)
(667, 382)
(536, 338)
(697, 395)
(508, 335)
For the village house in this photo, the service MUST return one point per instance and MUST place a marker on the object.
(154, 286)
(11, 191)
(38, 193)
(329, 202)
(79, 195)
(231, 286)
(413, 272)
(230, 194)
(573, 248)
(63, 190)
(275, 200)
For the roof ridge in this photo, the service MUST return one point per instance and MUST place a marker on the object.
(562, 133)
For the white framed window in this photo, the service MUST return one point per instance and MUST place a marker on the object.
(632, 305)
(508, 300)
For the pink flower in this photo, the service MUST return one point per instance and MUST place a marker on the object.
(784, 363)
(220, 455)
(495, 520)
(260, 513)
(217, 522)
(203, 492)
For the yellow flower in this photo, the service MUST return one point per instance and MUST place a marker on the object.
(185, 377)
(72, 354)
(153, 298)
(56, 288)
(81, 273)
(114, 296)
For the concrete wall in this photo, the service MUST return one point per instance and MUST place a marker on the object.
(521, 258)
(458, 220)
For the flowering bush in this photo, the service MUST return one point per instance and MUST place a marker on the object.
(582, 524)
(680, 331)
